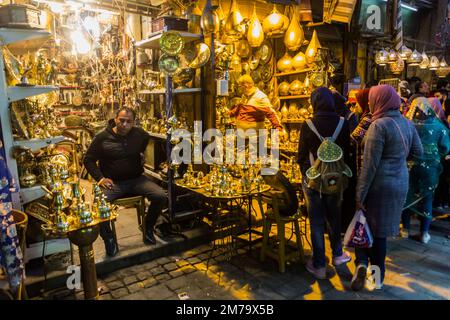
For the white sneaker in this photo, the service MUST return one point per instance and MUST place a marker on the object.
(425, 238)
(372, 285)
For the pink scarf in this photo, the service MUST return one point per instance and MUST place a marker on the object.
(437, 107)
(382, 98)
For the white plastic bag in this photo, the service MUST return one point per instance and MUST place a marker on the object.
(358, 234)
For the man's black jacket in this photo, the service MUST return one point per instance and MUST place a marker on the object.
(119, 157)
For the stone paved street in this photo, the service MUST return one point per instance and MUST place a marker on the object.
(414, 271)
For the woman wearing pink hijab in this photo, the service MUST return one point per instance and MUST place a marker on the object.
(383, 180)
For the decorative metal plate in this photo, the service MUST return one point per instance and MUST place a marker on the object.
(171, 43)
(169, 64)
(265, 52)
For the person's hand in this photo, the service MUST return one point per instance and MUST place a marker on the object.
(106, 183)
(360, 206)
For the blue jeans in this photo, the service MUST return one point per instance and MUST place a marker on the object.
(375, 255)
(324, 210)
(426, 206)
(141, 186)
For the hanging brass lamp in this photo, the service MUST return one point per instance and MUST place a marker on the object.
(398, 66)
(233, 26)
(443, 63)
(294, 36)
(392, 57)
(434, 63)
(273, 24)
(255, 34)
(425, 61)
(415, 59)
(313, 46)
(405, 53)
(210, 20)
(382, 58)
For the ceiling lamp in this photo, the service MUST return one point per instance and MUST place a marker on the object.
(405, 53)
(392, 56)
(312, 49)
(434, 63)
(294, 36)
(274, 24)
(425, 61)
(382, 57)
(442, 72)
(443, 63)
(233, 26)
(415, 59)
(398, 66)
(255, 34)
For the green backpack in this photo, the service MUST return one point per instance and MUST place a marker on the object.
(328, 173)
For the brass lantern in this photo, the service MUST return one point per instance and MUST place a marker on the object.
(382, 57)
(415, 59)
(233, 26)
(210, 20)
(255, 34)
(285, 63)
(425, 61)
(405, 53)
(392, 57)
(434, 63)
(313, 46)
(294, 36)
(299, 61)
(398, 66)
(443, 63)
(273, 24)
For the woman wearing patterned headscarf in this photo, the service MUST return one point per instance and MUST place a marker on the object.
(383, 181)
(425, 170)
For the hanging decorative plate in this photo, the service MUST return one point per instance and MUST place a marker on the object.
(254, 62)
(317, 79)
(266, 73)
(265, 52)
(171, 43)
(202, 57)
(256, 76)
(168, 64)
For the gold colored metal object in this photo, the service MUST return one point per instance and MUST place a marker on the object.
(169, 64)
(171, 43)
(255, 33)
(299, 61)
(312, 48)
(283, 89)
(296, 87)
(285, 63)
(233, 26)
(294, 36)
(265, 52)
(202, 56)
(275, 24)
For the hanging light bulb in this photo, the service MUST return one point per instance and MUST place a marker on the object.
(313, 46)
(425, 61)
(273, 23)
(382, 57)
(255, 34)
(405, 53)
(415, 59)
(210, 20)
(392, 56)
(398, 66)
(294, 36)
(434, 63)
(233, 26)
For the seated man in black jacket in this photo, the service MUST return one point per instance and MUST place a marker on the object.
(119, 150)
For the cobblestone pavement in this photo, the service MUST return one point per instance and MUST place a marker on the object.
(414, 271)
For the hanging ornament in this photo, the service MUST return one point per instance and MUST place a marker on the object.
(273, 24)
(294, 36)
(434, 63)
(313, 46)
(425, 61)
(392, 57)
(398, 66)
(382, 58)
(415, 59)
(233, 26)
(210, 20)
(299, 61)
(285, 63)
(443, 63)
(405, 53)
(255, 34)
(442, 72)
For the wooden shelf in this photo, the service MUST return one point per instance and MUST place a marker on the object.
(301, 96)
(292, 72)
(292, 121)
(17, 93)
(153, 41)
(175, 91)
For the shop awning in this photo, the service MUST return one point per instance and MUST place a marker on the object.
(338, 10)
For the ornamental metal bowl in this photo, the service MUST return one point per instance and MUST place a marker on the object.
(265, 52)
(171, 43)
(169, 64)
(202, 56)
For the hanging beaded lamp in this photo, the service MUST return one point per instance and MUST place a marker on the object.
(425, 61)
(382, 57)
(434, 63)
(415, 59)
(405, 53)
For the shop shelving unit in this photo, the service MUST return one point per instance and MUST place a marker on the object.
(169, 92)
(19, 38)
